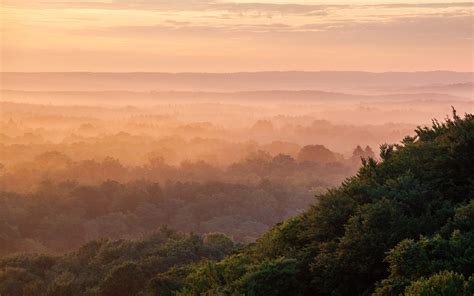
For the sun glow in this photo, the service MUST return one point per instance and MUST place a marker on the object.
(235, 35)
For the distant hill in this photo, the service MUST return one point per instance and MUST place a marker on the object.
(244, 81)
(154, 97)
(457, 89)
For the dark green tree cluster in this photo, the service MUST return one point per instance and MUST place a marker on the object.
(401, 225)
(108, 267)
(61, 217)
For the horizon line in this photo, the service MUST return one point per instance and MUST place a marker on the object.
(231, 72)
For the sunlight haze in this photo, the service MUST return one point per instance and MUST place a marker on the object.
(230, 36)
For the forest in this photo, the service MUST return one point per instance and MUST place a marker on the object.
(403, 224)
(135, 192)
(115, 172)
(236, 148)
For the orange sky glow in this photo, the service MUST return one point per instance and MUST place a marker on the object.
(230, 36)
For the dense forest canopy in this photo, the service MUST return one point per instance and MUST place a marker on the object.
(236, 148)
(70, 174)
(401, 225)
(72, 202)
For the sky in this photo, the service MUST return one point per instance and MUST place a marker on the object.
(235, 35)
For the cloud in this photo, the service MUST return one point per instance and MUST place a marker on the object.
(177, 5)
(435, 35)
(423, 5)
(215, 5)
(410, 29)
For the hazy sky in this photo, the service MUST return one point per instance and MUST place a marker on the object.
(235, 35)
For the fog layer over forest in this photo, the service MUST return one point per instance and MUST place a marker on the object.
(119, 155)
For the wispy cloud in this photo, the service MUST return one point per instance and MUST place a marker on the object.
(204, 5)
(265, 32)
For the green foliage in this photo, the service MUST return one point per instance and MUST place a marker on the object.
(108, 267)
(62, 217)
(238, 275)
(218, 243)
(401, 225)
(451, 249)
(124, 279)
(445, 283)
(396, 221)
(273, 277)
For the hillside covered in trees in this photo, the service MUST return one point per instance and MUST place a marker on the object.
(236, 148)
(402, 225)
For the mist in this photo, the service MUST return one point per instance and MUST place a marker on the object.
(234, 148)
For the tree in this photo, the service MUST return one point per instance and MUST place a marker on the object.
(125, 279)
(446, 283)
(316, 153)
